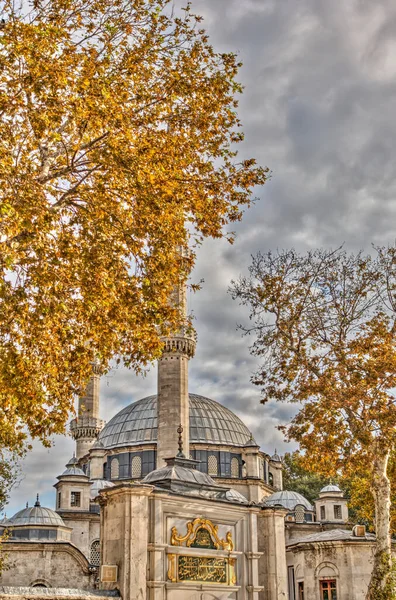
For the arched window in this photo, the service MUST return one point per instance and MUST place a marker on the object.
(234, 467)
(270, 479)
(94, 558)
(212, 465)
(115, 468)
(136, 467)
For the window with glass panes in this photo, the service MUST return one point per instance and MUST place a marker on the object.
(328, 589)
(75, 498)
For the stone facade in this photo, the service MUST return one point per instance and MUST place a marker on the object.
(58, 564)
(346, 562)
(137, 526)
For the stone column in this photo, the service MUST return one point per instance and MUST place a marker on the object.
(272, 564)
(125, 537)
(173, 400)
(87, 426)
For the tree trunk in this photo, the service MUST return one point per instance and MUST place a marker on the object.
(379, 588)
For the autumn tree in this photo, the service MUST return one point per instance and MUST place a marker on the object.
(297, 478)
(117, 149)
(10, 474)
(325, 331)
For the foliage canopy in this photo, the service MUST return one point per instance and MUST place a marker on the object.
(118, 139)
(325, 329)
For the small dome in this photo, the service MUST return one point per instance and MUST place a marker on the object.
(330, 488)
(36, 515)
(97, 445)
(73, 462)
(275, 457)
(75, 471)
(97, 485)
(234, 496)
(210, 423)
(287, 499)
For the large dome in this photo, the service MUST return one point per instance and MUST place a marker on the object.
(210, 422)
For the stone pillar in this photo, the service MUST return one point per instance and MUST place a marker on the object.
(252, 460)
(253, 588)
(272, 563)
(97, 458)
(276, 469)
(173, 400)
(86, 427)
(124, 537)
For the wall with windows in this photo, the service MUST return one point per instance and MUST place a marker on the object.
(129, 465)
(218, 464)
(330, 570)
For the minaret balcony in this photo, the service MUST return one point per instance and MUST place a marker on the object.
(86, 427)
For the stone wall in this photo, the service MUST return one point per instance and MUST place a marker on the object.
(349, 563)
(41, 593)
(52, 564)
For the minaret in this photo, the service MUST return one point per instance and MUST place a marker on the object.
(173, 401)
(86, 427)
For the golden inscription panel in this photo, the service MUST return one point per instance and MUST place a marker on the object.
(205, 569)
(201, 569)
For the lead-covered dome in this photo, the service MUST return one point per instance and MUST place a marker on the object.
(287, 499)
(36, 515)
(210, 422)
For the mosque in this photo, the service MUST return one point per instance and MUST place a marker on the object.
(173, 499)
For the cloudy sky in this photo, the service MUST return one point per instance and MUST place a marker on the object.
(319, 111)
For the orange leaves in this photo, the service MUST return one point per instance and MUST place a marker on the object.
(118, 124)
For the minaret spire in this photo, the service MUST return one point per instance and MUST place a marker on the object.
(173, 400)
(86, 427)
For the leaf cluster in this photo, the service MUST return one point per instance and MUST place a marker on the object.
(324, 326)
(117, 149)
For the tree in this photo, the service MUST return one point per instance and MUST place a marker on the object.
(296, 478)
(324, 326)
(117, 150)
(9, 475)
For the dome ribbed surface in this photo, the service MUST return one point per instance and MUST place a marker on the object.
(36, 515)
(287, 499)
(210, 422)
(75, 471)
(330, 488)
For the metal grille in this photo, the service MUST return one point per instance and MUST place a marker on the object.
(136, 466)
(115, 468)
(299, 513)
(95, 553)
(337, 511)
(212, 465)
(234, 467)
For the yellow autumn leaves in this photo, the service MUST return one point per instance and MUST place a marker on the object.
(118, 129)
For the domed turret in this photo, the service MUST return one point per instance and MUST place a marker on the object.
(331, 506)
(73, 488)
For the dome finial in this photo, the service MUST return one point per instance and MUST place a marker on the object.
(180, 442)
(27, 504)
(37, 503)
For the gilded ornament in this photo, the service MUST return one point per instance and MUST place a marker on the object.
(202, 533)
